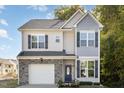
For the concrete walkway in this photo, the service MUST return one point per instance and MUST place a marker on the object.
(38, 86)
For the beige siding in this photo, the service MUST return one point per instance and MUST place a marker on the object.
(69, 40)
(73, 20)
(52, 45)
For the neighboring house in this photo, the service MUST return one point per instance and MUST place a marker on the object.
(8, 67)
(54, 50)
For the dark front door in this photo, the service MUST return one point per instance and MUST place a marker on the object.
(68, 73)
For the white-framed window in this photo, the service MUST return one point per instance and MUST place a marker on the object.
(57, 39)
(37, 41)
(87, 39)
(41, 42)
(34, 41)
(91, 39)
(87, 69)
(83, 69)
(83, 39)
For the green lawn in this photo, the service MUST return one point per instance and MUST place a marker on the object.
(91, 86)
(8, 83)
(86, 86)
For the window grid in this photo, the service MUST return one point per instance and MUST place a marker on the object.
(87, 69)
(33, 41)
(57, 39)
(87, 38)
(38, 41)
(41, 41)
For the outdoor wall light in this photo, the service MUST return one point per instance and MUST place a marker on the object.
(41, 59)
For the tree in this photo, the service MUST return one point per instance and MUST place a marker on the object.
(112, 44)
(65, 12)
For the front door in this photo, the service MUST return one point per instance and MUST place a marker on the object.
(68, 73)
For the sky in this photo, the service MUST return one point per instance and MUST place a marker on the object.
(14, 16)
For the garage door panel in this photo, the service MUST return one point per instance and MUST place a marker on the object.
(41, 74)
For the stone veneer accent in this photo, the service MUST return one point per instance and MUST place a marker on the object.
(24, 63)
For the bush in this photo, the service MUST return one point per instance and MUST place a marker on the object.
(73, 84)
(86, 83)
(118, 84)
(95, 83)
(8, 83)
(60, 83)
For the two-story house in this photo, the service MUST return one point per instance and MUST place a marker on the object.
(54, 50)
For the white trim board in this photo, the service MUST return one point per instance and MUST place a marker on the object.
(70, 29)
(88, 57)
(47, 57)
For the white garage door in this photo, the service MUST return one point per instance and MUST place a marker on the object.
(41, 74)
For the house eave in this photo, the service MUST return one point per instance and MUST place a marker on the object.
(46, 57)
(69, 29)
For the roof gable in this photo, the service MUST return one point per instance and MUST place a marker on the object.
(91, 15)
(73, 19)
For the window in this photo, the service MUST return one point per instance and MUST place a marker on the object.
(68, 70)
(91, 39)
(6, 70)
(83, 39)
(90, 68)
(9, 66)
(41, 41)
(87, 69)
(87, 39)
(83, 69)
(57, 39)
(34, 41)
(38, 41)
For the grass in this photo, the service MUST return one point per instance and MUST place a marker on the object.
(86, 86)
(8, 83)
(91, 86)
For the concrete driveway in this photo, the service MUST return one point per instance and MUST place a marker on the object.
(38, 86)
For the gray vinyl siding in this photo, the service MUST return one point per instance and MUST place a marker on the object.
(73, 20)
(87, 51)
(87, 24)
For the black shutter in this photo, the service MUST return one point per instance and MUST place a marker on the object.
(96, 68)
(46, 41)
(78, 39)
(29, 41)
(78, 68)
(96, 39)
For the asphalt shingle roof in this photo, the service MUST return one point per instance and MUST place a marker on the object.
(44, 53)
(42, 24)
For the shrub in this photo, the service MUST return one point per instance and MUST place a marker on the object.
(60, 83)
(118, 84)
(95, 83)
(86, 83)
(75, 84)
